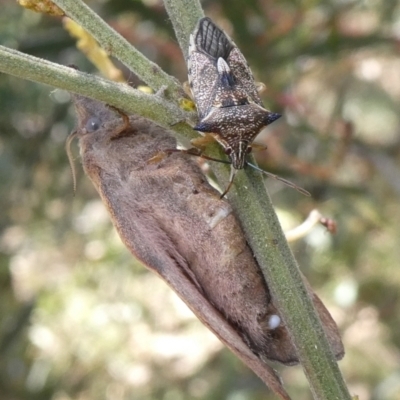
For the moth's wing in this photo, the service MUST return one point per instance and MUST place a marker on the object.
(228, 266)
(329, 325)
(150, 244)
(276, 344)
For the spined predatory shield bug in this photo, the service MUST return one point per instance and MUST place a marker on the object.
(226, 95)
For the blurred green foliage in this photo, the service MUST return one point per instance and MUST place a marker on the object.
(81, 320)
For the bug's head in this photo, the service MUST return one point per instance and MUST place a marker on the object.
(237, 153)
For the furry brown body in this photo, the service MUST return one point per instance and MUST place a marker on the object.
(173, 221)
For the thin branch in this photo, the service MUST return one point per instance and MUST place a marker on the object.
(305, 227)
(117, 46)
(154, 107)
(184, 18)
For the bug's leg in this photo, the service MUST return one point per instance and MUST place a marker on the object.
(257, 147)
(203, 141)
(123, 127)
(199, 144)
(164, 153)
(187, 90)
(231, 178)
(158, 157)
(191, 152)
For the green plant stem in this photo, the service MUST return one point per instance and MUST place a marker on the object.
(154, 107)
(119, 47)
(184, 18)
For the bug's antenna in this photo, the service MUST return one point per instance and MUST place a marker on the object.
(283, 180)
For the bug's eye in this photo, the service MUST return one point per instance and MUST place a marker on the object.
(228, 151)
(92, 124)
(248, 150)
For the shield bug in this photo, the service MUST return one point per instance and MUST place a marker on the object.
(227, 99)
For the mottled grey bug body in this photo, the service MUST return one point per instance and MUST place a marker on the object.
(223, 87)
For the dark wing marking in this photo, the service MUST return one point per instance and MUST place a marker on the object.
(211, 40)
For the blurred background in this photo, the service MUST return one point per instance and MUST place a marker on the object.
(80, 319)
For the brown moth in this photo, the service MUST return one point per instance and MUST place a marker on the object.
(177, 225)
(226, 95)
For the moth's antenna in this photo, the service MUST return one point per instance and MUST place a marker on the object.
(283, 180)
(70, 138)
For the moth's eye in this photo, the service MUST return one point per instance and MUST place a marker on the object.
(248, 150)
(228, 151)
(274, 321)
(92, 124)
